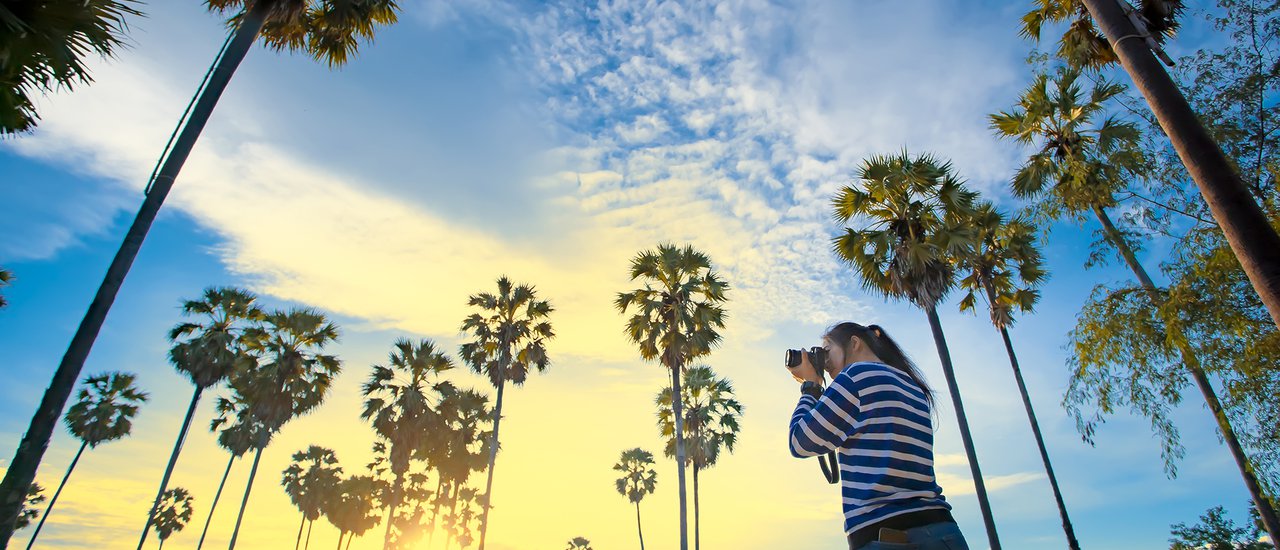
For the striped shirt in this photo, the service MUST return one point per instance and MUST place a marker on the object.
(878, 422)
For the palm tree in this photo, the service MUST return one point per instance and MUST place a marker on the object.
(207, 353)
(103, 412)
(309, 480)
(466, 419)
(351, 507)
(328, 31)
(710, 421)
(509, 335)
(401, 402)
(292, 377)
(173, 513)
(44, 45)
(1005, 268)
(579, 543)
(6, 278)
(677, 314)
(638, 479)
(1076, 169)
(915, 210)
(31, 506)
(237, 439)
(1082, 44)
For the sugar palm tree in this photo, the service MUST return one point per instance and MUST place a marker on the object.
(291, 378)
(1005, 268)
(206, 352)
(237, 439)
(914, 210)
(401, 401)
(352, 508)
(43, 46)
(1082, 44)
(326, 30)
(308, 481)
(1077, 166)
(6, 279)
(710, 422)
(676, 317)
(31, 505)
(466, 425)
(173, 513)
(638, 479)
(103, 411)
(579, 543)
(508, 337)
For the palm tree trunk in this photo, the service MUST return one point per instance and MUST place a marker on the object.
(1189, 359)
(162, 544)
(639, 529)
(349, 539)
(391, 510)
(435, 512)
(309, 526)
(27, 457)
(697, 517)
(54, 500)
(340, 535)
(940, 341)
(298, 541)
(1252, 238)
(676, 406)
(257, 456)
(503, 362)
(214, 505)
(1044, 453)
(173, 461)
(453, 512)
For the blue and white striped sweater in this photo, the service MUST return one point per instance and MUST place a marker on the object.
(878, 422)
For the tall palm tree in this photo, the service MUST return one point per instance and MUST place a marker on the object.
(43, 46)
(308, 481)
(328, 31)
(401, 401)
(291, 378)
(31, 506)
(237, 439)
(1004, 268)
(103, 411)
(1082, 44)
(710, 422)
(509, 335)
(1076, 169)
(638, 479)
(6, 279)
(206, 353)
(676, 317)
(352, 508)
(173, 513)
(467, 421)
(915, 211)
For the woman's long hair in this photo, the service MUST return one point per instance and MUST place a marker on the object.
(879, 342)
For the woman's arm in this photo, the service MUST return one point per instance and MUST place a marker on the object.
(823, 424)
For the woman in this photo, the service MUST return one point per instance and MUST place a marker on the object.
(876, 415)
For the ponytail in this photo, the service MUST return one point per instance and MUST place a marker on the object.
(884, 347)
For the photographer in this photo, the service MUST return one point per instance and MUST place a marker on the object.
(876, 418)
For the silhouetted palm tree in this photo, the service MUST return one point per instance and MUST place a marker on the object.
(308, 481)
(710, 422)
(206, 353)
(103, 411)
(173, 513)
(509, 335)
(916, 211)
(354, 509)
(43, 46)
(579, 543)
(638, 479)
(676, 316)
(237, 439)
(31, 506)
(328, 31)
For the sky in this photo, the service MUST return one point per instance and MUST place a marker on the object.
(551, 142)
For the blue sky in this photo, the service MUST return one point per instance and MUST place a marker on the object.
(550, 142)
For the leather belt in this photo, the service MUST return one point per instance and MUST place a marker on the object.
(871, 533)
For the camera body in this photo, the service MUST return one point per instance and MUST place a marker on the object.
(817, 358)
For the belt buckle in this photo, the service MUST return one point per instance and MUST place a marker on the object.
(893, 535)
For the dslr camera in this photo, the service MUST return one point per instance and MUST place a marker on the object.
(817, 358)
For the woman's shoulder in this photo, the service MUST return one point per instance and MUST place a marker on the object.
(873, 373)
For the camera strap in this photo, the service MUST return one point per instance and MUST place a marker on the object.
(830, 471)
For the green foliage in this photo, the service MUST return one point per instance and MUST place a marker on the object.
(678, 312)
(104, 408)
(638, 476)
(710, 416)
(1215, 531)
(327, 31)
(311, 480)
(6, 279)
(1004, 267)
(43, 46)
(30, 506)
(208, 352)
(173, 513)
(509, 333)
(1082, 44)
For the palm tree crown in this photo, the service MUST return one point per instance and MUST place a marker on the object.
(638, 476)
(402, 399)
(710, 416)
(1005, 266)
(31, 505)
(105, 408)
(207, 352)
(1082, 44)
(310, 478)
(6, 279)
(174, 512)
(512, 322)
(678, 310)
(292, 376)
(328, 31)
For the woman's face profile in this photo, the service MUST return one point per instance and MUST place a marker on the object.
(835, 355)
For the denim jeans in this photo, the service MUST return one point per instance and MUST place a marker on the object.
(935, 536)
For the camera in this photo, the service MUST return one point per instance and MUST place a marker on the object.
(817, 358)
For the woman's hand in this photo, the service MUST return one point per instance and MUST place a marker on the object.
(805, 370)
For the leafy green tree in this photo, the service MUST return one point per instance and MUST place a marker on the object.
(676, 317)
(508, 335)
(710, 422)
(6, 279)
(638, 479)
(43, 46)
(1078, 168)
(326, 30)
(292, 377)
(1082, 44)
(173, 513)
(310, 480)
(1216, 532)
(579, 543)
(401, 401)
(103, 411)
(1005, 268)
(31, 506)
(353, 508)
(206, 352)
